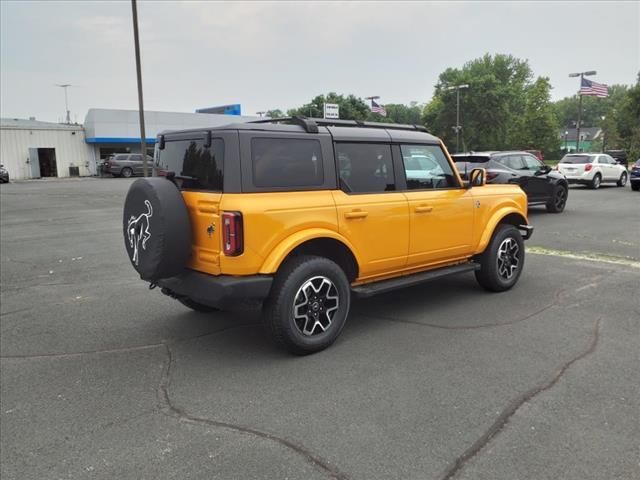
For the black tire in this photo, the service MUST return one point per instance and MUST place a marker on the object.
(301, 281)
(198, 307)
(623, 179)
(596, 182)
(492, 275)
(126, 172)
(558, 200)
(635, 186)
(157, 229)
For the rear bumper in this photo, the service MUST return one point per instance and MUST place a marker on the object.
(526, 231)
(217, 291)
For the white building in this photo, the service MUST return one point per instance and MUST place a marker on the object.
(34, 149)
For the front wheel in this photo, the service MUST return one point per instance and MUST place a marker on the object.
(308, 304)
(558, 200)
(623, 180)
(502, 261)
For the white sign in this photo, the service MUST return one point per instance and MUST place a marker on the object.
(331, 110)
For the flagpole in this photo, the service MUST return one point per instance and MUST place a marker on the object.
(581, 75)
(579, 114)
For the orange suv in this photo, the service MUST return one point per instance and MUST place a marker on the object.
(302, 214)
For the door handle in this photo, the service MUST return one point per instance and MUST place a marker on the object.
(355, 214)
(424, 209)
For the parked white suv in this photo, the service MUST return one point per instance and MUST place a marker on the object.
(592, 169)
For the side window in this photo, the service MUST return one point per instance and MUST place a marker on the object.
(514, 162)
(285, 162)
(121, 158)
(365, 167)
(136, 158)
(532, 163)
(426, 167)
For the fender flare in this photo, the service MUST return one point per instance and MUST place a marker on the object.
(496, 219)
(286, 246)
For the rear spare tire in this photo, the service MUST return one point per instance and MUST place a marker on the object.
(157, 229)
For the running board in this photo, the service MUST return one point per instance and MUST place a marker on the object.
(384, 286)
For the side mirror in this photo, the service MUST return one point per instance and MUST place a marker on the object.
(478, 177)
(543, 170)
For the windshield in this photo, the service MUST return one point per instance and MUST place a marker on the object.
(577, 159)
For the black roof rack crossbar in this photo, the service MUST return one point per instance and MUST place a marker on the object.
(311, 124)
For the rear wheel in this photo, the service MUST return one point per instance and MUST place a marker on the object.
(623, 180)
(308, 304)
(126, 172)
(595, 183)
(502, 261)
(558, 200)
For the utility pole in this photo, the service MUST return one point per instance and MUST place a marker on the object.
(458, 127)
(581, 75)
(65, 86)
(136, 40)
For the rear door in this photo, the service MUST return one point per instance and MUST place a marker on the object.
(198, 171)
(372, 214)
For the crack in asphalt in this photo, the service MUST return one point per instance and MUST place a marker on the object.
(558, 295)
(122, 349)
(171, 410)
(498, 425)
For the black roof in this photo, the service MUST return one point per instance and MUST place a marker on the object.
(346, 130)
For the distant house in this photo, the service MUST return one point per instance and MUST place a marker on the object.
(588, 135)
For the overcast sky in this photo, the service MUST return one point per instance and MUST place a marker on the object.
(279, 55)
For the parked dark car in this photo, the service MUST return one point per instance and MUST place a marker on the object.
(126, 164)
(619, 156)
(542, 185)
(4, 175)
(634, 176)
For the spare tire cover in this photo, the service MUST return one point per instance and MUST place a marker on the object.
(157, 230)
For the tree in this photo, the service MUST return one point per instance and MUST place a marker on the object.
(399, 113)
(628, 121)
(351, 107)
(275, 113)
(593, 108)
(493, 106)
(538, 127)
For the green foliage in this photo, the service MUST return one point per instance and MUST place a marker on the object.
(399, 113)
(275, 113)
(628, 122)
(593, 108)
(351, 107)
(502, 109)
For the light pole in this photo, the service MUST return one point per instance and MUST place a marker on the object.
(581, 75)
(311, 107)
(261, 113)
(566, 134)
(603, 134)
(65, 86)
(458, 127)
(136, 40)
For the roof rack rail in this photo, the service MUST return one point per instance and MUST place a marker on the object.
(311, 124)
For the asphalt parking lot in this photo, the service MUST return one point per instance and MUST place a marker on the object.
(102, 378)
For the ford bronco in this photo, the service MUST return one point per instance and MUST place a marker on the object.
(302, 214)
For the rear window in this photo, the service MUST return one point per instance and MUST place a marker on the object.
(577, 159)
(286, 162)
(195, 166)
(466, 163)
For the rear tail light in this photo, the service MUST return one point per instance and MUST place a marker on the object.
(232, 234)
(588, 167)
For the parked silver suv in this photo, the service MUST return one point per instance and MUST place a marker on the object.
(126, 164)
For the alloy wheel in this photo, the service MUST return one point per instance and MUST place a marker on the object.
(561, 198)
(508, 258)
(315, 305)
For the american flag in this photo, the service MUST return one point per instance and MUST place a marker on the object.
(587, 87)
(375, 108)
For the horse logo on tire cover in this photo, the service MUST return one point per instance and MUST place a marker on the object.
(138, 231)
